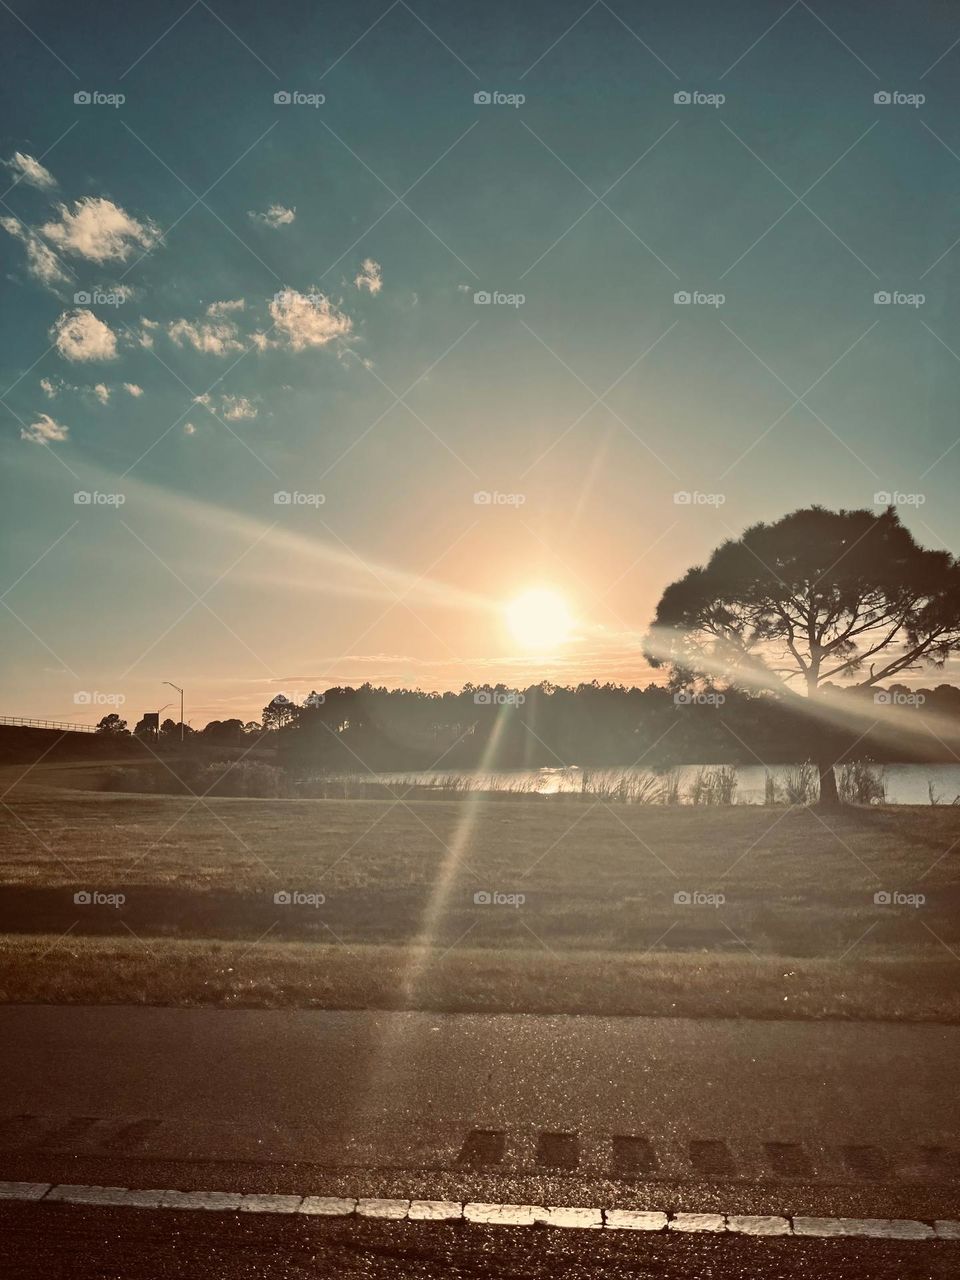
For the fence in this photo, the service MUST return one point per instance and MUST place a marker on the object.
(47, 724)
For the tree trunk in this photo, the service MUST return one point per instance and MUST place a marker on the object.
(829, 796)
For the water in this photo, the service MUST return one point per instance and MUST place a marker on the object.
(905, 783)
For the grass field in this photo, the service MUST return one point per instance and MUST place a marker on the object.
(797, 933)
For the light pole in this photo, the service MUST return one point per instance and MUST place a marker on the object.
(180, 691)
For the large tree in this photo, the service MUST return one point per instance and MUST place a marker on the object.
(841, 597)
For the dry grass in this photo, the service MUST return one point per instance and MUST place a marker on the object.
(399, 880)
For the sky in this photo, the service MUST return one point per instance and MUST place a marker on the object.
(261, 433)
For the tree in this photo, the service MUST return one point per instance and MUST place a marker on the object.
(278, 712)
(817, 597)
(112, 724)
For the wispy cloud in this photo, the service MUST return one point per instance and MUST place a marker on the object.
(277, 215)
(304, 320)
(42, 263)
(29, 170)
(44, 430)
(99, 230)
(370, 276)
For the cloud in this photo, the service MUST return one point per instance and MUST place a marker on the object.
(42, 263)
(50, 388)
(44, 430)
(189, 429)
(80, 335)
(30, 171)
(218, 335)
(145, 336)
(276, 216)
(99, 230)
(236, 408)
(102, 392)
(306, 320)
(370, 276)
(132, 389)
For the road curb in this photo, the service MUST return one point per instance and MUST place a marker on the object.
(559, 1217)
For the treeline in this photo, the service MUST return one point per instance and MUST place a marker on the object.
(346, 729)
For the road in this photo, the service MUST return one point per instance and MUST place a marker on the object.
(849, 1119)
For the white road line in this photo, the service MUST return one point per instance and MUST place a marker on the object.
(576, 1217)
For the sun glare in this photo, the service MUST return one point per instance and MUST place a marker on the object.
(539, 619)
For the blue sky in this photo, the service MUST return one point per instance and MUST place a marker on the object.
(298, 316)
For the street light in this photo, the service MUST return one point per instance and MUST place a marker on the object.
(180, 691)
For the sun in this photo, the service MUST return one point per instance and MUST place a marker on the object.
(539, 619)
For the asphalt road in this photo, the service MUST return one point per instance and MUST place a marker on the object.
(712, 1116)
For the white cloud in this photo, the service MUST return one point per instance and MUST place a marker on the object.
(145, 337)
(80, 335)
(307, 320)
(42, 263)
(99, 230)
(44, 430)
(132, 389)
(370, 276)
(50, 388)
(217, 337)
(276, 216)
(102, 392)
(189, 429)
(224, 308)
(236, 408)
(29, 170)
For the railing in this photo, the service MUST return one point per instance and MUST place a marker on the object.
(48, 724)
